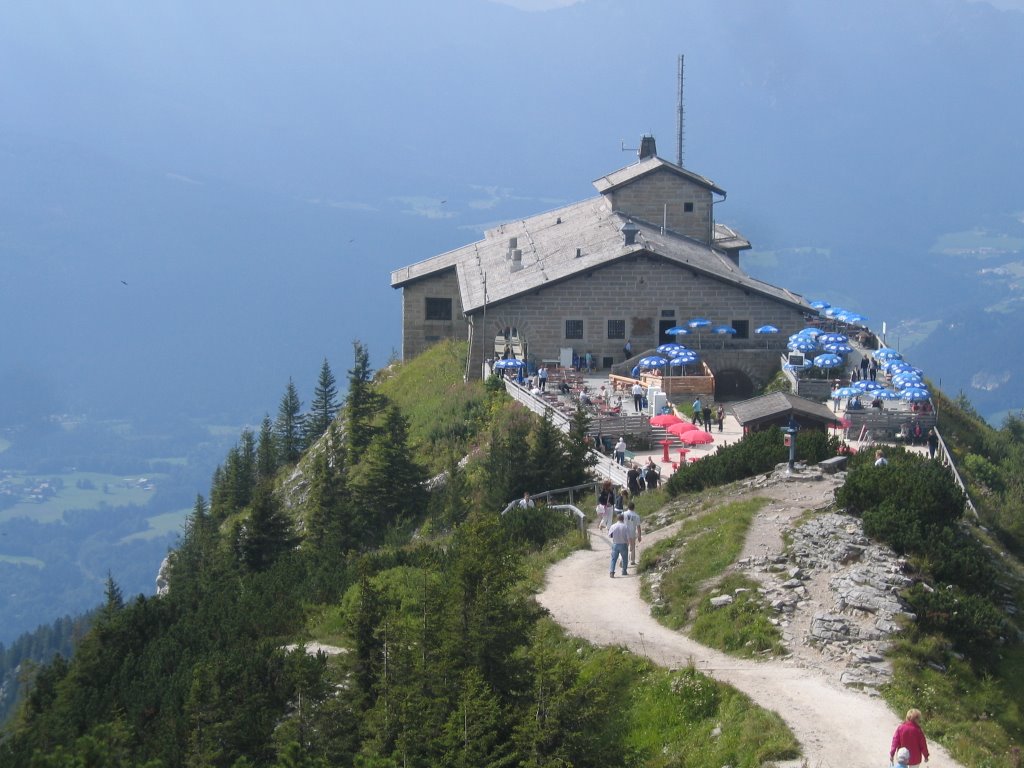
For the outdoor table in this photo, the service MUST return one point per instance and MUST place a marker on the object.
(664, 455)
(682, 455)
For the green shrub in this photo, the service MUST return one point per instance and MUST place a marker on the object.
(969, 621)
(536, 526)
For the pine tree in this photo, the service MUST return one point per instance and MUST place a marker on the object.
(266, 451)
(361, 404)
(506, 464)
(546, 457)
(288, 427)
(324, 406)
(387, 485)
(267, 533)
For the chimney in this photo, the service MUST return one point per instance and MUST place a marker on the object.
(647, 147)
(629, 232)
(517, 260)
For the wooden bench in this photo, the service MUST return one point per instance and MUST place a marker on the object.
(833, 465)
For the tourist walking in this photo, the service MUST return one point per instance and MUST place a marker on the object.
(933, 442)
(698, 411)
(909, 735)
(620, 452)
(605, 504)
(707, 417)
(633, 480)
(542, 378)
(651, 475)
(619, 535)
(634, 534)
(627, 349)
(720, 416)
(638, 397)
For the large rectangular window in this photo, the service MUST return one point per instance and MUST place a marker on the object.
(574, 329)
(616, 329)
(439, 309)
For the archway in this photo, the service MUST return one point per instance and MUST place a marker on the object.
(733, 384)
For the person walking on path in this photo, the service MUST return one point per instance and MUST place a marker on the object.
(933, 442)
(651, 475)
(909, 734)
(707, 416)
(634, 534)
(620, 451)
(720, 417)
(864, 367)
(638, 397)
(698, 411)
(542, 378)
(605, 504)
(627, 349)
(619, 534)
(633, 480)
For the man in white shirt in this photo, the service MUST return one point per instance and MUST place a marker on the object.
(638, 397)
(633, 532)
(619, 534)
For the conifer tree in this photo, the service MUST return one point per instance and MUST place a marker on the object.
(387, 485)
(288, 427)
(324, 407)
(267, 533)
(361, 404)
(266, 451)
(547, 462)
(506, 465)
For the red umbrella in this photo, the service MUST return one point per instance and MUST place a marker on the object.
(697, 437)
(681, 428)
(665, 420)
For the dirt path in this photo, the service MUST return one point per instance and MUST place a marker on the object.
(838, 727)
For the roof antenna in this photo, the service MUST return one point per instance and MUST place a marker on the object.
(679, 117)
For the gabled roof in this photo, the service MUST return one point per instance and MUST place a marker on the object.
(775, 405)
(550, 243)
(648, 165)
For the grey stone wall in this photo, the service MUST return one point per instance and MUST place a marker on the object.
(636, 291)
(418, 333)
(648, 197)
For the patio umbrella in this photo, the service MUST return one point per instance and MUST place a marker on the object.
(665, 420)
(915, 394)
(853, 318)
(886, 353)
(766, 330)
(820, 305)
(813, 333)
(864, 385)
(686, 357)
(723, 331)
(696, 324)
(677, 330)
(652, 361)
(907, 381)
(697, 437)
(841, 348)
(828, 361)
(802, 345)
(885, 394)
(833, 338)
(510, 363)
(844, 393)
(681, 428)
(670, 350)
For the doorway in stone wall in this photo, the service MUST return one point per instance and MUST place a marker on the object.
(666, 338)
(733, 384)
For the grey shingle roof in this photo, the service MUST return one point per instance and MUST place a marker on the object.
(649, 165)
(550, 243)
(775, 404)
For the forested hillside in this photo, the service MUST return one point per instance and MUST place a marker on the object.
(433, 651)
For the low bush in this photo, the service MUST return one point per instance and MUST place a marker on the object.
(536, 526)
(969, 621)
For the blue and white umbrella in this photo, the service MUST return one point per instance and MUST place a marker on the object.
(844, 393)
(766, 330)
(864, 385)
(677, 330)
(812, 332)
(907, 381)
(841, 348)
(828, 360)
(915, 394)
(802, 345)
(684, 359)
(886, 353)
(885, 394)
(820, 305)
(509, 363)
(723, 331)
(652, 361)
(699, 322)
(670, 350)
(853, 318)
(833, 338)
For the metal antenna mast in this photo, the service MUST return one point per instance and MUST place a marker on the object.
(679, 117)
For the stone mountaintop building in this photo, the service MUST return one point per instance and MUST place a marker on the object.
(644, 255)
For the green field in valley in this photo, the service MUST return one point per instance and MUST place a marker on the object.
(76, 490)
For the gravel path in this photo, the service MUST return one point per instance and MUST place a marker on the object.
(838, 727)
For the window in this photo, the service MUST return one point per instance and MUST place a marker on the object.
(574, 329)
(439, 309)
(668, 313)
(687, 207)
(616, 329)
(742, 329)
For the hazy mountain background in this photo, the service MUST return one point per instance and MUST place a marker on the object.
(200, 200)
